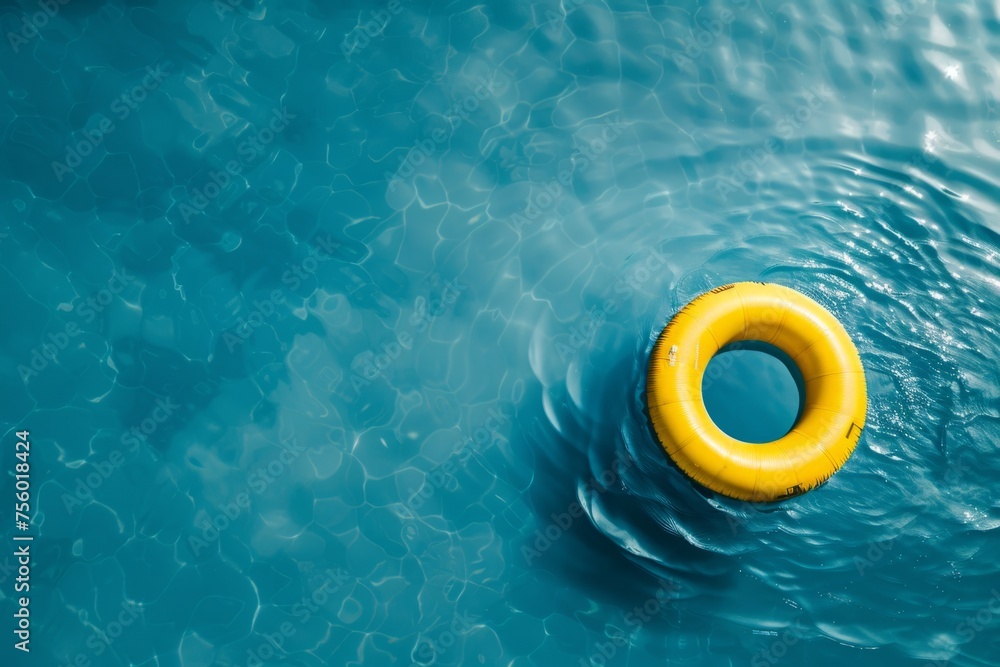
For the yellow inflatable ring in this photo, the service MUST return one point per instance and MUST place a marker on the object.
(834, 402)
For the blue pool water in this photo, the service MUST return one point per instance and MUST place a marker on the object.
(329, 322)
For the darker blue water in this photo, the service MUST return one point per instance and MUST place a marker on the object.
(754, 395)
(330, 328)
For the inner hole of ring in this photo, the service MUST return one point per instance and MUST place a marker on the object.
(753, 391)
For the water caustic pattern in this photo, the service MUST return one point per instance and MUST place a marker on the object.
(330, 325)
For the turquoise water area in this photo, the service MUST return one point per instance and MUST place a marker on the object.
(329, 322)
